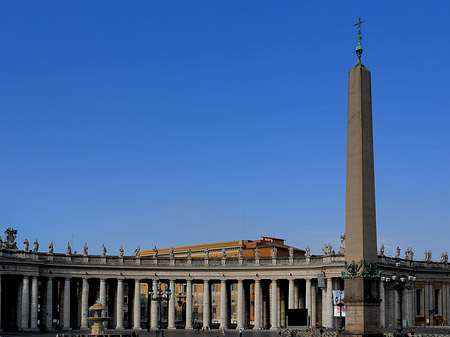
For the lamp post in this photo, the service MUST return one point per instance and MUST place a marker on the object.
(337, 301)
(399, 282)
(160, 296)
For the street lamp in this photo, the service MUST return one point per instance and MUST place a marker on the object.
(160, 296)
(337, 301)
(399, 282)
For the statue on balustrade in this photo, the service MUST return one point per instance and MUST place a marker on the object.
(137, 251)
(85, 249)
(36, 246)
(68, 249)
(103, 250)
(121, 251)
(50, 248)
(10, 239)
(26, 245)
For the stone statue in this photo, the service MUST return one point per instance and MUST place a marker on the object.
(429, 256)
(1, 243)
(10, 239)
(103, 250)
(50, 248)
(342, 247)
(26, 245)
(189, 253)
(274, 252)
(36, 246)
(257, 252)
(442, 256)
(397, 254)
(171, 253)
(307, 251)
(85, 249)
(445, 258)
(327, 249)
(408, 253)
(224, 253)
(291, 251)
(382, 250)
(137, 251)
(68, 249)
(155, 252)
(241, 252)
(411, 253)
(206, 253)
(121, 251)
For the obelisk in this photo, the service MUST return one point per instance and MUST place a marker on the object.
(361, 277)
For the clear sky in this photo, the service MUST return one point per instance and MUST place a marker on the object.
(172, 123)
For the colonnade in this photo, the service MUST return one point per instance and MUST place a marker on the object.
(258, 302)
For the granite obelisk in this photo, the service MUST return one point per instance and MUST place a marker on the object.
(361, 283)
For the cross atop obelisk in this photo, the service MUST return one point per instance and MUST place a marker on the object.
(359, 48)
(361, 276)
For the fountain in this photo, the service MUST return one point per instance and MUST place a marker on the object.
(98, 327)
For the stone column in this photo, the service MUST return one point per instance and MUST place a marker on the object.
(119, 305)
(313, 305)
(155, 307)
(329, 303)
(25, 302)
(274, 313)
(188, 304)
(84, 304)
(382, 305)
(137, 305)
(257, 320)
(223, 305)
(66, 324)
(206, 304)
(296, 295)
(34, 303)
(102, 296)
(49, 306)
(309, 299)
(291, 304)
(240, 305)
(171, 319)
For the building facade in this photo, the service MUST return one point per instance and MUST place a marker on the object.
(48, 291)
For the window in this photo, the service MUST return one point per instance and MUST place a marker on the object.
(419, 302)
(195, 302)
(184, 288)
(195, 288)
(214, 310)
(437, 300)
(233, 301)
(233, 286)
(214, 302)
(125, 300)
(214, 287)
(125, 287)
(233, 310)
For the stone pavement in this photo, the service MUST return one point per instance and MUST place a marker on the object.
(167, 333)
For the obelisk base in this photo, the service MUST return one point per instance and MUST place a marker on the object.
(362, 307)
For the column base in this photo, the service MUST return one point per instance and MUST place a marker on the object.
(31, 329)
(274, 328)
(137, 328)
(67, 329)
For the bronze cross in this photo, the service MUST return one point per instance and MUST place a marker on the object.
(359, 24)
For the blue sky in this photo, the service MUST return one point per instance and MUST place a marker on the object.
(171, 123)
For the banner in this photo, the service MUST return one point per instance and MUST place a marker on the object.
(338, 296)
